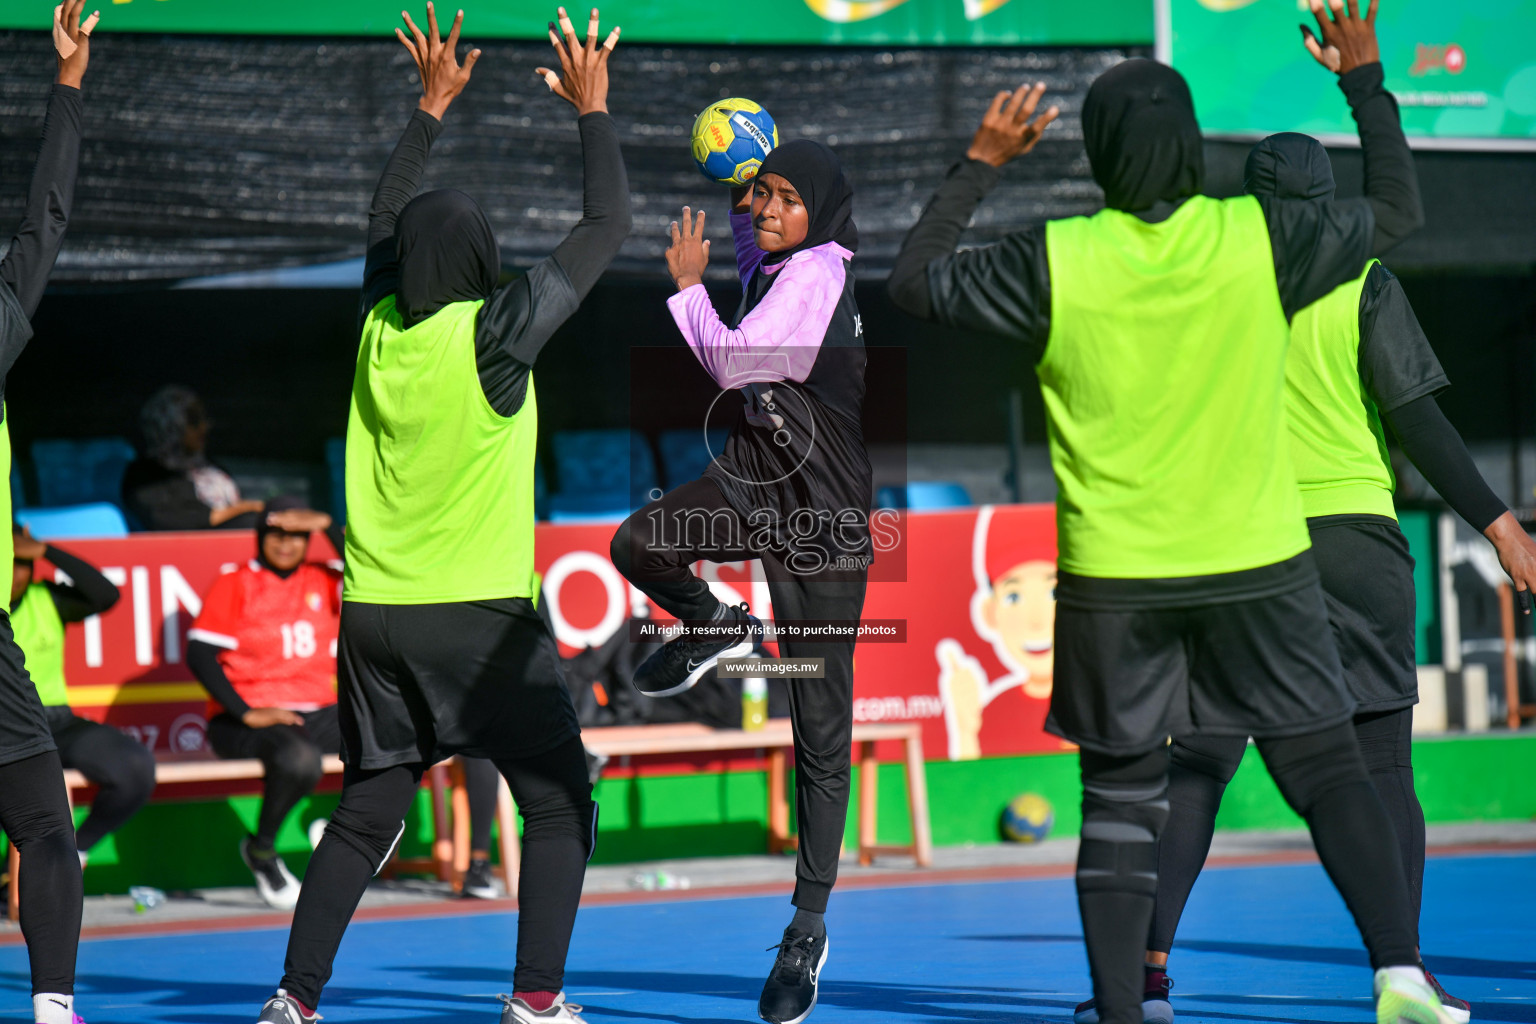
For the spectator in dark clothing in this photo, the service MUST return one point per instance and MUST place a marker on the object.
(173, 485)
(121, 768)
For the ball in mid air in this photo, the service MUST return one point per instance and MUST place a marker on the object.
(731, 138)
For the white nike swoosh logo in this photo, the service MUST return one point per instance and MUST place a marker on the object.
(692, 666)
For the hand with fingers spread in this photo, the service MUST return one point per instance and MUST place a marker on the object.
(583, 76)
(1007, 130)
(72, 40)
(442, 77)
(1348, 40)
(689, 253)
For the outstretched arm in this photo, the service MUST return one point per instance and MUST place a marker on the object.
(35, 246)
(1003, 288)
(521, 316)
(1402, 375)
(1319, 246)
(442, 79)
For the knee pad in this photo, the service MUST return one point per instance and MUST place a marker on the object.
(1125, 805)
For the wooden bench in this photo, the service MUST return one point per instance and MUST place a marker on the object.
(450, 848)
(776, 739)
(448, 860)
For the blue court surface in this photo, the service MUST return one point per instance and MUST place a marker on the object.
(1269, 943)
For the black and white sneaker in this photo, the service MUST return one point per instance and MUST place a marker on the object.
(789, 994)
(515, 1011)
(733, 632)
(282, 1008)
(274, 882)
(479, 882)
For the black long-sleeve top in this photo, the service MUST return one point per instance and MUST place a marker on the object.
(203, 662)
(88, 592)
(35, 246)
(1006, 288)
(521, 315)
(1402, 375)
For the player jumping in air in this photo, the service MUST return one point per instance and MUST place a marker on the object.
(1358, 360)
(34, 810)
(1188, 597)
(791, 488)
(441, 648)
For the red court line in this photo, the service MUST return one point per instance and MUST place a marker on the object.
(911, 877)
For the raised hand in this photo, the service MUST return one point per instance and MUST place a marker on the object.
(299, 520)
(27, 548)
(72, 40)
(442, 77)
(1007, 130)
(689, 253)
(1348, 40)
(583, 76)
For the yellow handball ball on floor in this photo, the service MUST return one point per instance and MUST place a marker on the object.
(1027, 818)
(731, 138)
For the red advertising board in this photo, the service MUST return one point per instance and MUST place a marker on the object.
(968, 653)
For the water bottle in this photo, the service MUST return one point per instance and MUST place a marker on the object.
(145, 897)
(754, 703)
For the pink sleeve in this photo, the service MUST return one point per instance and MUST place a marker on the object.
(780, 339)
(748, 255)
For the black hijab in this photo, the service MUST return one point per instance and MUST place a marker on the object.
(280, 503)
(447, 253)
(1289, 166)
(817, 175)
(1143, 140)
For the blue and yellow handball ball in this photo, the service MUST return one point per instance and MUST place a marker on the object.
(1027, 818)
(731, 138)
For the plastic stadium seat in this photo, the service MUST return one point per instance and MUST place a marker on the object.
(79, 472)
(924, 496)
(336, 465)
(98, 519)
(614, 468)
(589, 508)
(685, 455)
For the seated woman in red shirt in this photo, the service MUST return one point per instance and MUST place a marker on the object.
(264, 646)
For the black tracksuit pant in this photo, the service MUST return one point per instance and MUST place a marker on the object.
(821, 710)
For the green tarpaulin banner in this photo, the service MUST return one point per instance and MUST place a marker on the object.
(781, 22)
(1463, 73)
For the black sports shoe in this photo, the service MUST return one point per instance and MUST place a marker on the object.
(479, 883)
(274, 882)
(282, 1008)
(789, 994)
(1459, 1010)
(682, 662)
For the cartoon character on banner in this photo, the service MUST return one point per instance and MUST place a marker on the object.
(1013, 609)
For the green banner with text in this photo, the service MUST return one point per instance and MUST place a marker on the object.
(1463, 73)
(780, 22)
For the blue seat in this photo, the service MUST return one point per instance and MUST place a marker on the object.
(336, 465)
(80, 472)
(685, 454)
(589, 508)
(614, 468)
(98, 519)
(924, 496)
